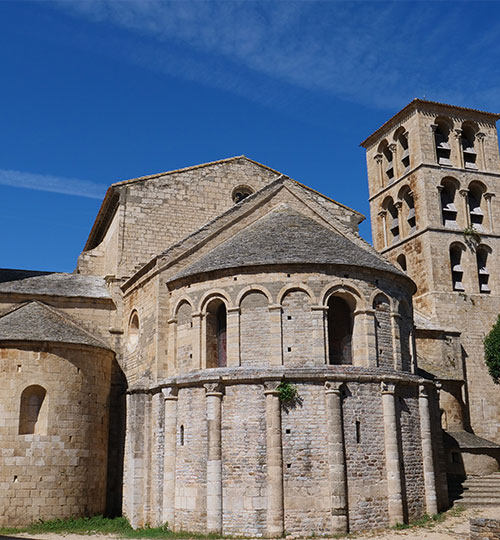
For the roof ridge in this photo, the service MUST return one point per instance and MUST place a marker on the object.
(190, 168)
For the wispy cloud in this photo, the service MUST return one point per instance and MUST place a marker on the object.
(54, 184)
(374, 53)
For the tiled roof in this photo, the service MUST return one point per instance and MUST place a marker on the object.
(52, 283)
(285, 236)
(37, 322)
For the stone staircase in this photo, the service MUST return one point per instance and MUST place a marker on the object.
(477, 491)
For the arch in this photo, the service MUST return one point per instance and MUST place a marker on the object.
(241, 192)
(408, 209)
(340, 329)
(184, 338)
(401, 260)
(387, 160)
(250, 288)
(133, 331)
(183, 299)
(442, 130)
(483, 274)
(210, 295)
(392, 221)
(216, 333)
(255, 321)
(456, 252)
(468, 139)
(401, 139)
(376, 293)
(297, 327)
(477, 205)
(302, 287)
(33, 411)
(383, 330)
(447, 197)
(348, 291)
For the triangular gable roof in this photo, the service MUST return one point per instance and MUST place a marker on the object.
(111, 199)
(37, 322)
(285, 236)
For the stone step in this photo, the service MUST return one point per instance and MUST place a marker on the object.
(477, 502)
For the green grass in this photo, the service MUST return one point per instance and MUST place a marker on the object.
(101, 525)
(430, 521)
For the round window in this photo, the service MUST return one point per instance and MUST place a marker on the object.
(241, 192)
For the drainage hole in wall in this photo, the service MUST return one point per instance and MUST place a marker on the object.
(289, 317)
(288, 465)
(15, 479)
(288, 431)
(289, 349)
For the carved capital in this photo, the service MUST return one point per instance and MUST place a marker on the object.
(438, 387)
(440, 188)
(480, 136)
(464, 192)
(170, 392)
(382, 213)
(398, 205)
(333, 387)
(392, 147)
(434, 127)
(488, 195)
(271, 387)
(378, 158)
(387, 387)
(458, 133)
(423, 391)
(215, 388)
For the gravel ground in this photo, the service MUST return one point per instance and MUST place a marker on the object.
(452, 528)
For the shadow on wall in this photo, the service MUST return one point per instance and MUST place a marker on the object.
(116, 441)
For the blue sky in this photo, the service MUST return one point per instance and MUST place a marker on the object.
(98, 91)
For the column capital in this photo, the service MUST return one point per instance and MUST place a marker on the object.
(423, 391)
(170, 392)
(215, 388)
(196, 314)
(378, 158)
(488, 195)
(271, 387)
(480, 136)
(438, 386)
(387, 387)
(382, 213)
(458, 133)
(392, 147)
(319, 308)
(364, 312)
(440, 188)
(398, 205)
(274, 307)
(172, 320)
(434, 127)
(234, 309)
(395, 315)
(463, 192)
(334, 387)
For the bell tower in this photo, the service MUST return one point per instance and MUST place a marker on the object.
(434, 185)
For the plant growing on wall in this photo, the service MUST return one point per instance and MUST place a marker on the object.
(472, 237)
(492, 351)
(288, 395)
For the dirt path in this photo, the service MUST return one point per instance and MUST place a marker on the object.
(452, 528)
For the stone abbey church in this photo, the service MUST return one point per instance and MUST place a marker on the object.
(151, 381)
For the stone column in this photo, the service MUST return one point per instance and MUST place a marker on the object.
(214, 460)
(434, 128)
(172, 346)
(233, 337)
(336, 457)
(378, 159)
(464, 193)
(393, 147)
(383, 215)
(396, 340)
(480, 138)
(157, 445)
(275, 501)
(488, 197)
(458, 148)
(169, 455)
(196, 318)
(320, 348)
(402, 226)
(394, 491)
(427, 454)
(275, 345)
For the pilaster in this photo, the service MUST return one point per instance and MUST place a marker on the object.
(427, 454)
(169, 395)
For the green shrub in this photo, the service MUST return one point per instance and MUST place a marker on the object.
(492, 351)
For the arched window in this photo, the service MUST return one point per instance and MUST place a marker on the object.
(340, 328)
(383, 331)
(476, 205)
(392, 220)
(482, 268)
(133, 331)
(457, 273)
(240, 193)
(408, 203)
(388, 160)
(401, 138)
(468, 150)
(33, 411)
(448, 191)
(216, 325)
(401, 260)
(441, 139)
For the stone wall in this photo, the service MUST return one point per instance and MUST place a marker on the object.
(484, 529)
(58, 471)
